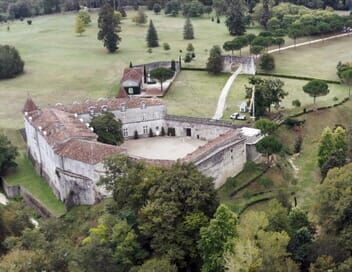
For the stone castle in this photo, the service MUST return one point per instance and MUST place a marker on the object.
(65, 151)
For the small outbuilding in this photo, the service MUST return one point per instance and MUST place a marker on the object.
(132, 81)
(243, 106)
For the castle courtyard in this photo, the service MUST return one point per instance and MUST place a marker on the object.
(162, 148)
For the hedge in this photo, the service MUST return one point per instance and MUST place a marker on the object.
(297, 77)
(193, 69)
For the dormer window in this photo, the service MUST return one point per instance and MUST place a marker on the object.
(91, 111)
(104, 108)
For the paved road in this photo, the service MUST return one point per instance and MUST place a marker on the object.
(309, 42)
(222, 98)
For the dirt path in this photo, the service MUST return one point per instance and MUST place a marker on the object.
(225, 90)
(310, 42)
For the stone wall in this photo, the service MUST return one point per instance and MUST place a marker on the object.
(224, 162)
(204, 129)
(13, 191)
(231, 63)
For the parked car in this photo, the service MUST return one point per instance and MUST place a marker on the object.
(234, 115)
(237, 116)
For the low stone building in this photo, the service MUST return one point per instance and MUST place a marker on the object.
(65, 151)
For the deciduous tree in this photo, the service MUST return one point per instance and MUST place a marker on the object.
(108, 129)
(316, 88)
(235, 17)
(214, 64)
(162, 74)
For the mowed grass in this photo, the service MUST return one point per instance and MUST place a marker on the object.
(25, 176)
(63, 67)
(317, 60)
(195, 93)
(294, 89)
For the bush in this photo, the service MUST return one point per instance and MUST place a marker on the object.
(11, 63)
(166, 46)
(298, 144)
(296, 103)
(162, 131)
(156, 8)
(290, 122)
(267, 62)
(151, 134)
(136, 136)
(29, 22)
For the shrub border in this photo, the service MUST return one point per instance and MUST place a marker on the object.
(297, 77)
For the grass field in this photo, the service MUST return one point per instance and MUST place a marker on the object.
(317, 60)
(63, 67)
(195, 93)
(294, 89)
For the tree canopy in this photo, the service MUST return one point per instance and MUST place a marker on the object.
(8, 154)
(11, 63)
(162, 74)
(316, 88)
(108, 129)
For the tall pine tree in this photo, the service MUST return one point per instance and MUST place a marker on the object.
(152, 36)
(188, 33)
(264, 18)
(235, 17)
(109, 27)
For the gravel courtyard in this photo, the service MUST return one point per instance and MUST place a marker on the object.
(162, 148)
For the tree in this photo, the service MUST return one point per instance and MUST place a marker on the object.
(188, 30)
(216, 239)
(172, 7)
(193, 9)
(295, 32)
(141, 17)
(322, 264)
(11, 63)
(85, 17)
(162, 74)
(108, 28)
(279, 41)
(347, 79)
(235, 17)
(157, 265)
(268, 146)
(316, 88)
(152, 36)
(8, 154)
(156, 8)
(267, 62)
(178, 205)
(335, 200)
(265, 16)
(214, 64)
(80, 26)
(266, 126)
(108, 129)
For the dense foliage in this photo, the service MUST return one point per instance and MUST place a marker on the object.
(152, 36)
(11, 63)
(162, 74)
(109, 26)
(8, 153)
(108, 129)
(214, 64)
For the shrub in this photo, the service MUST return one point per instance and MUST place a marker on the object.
(151, 134)
(335, 98)
(188, 58)
(11, 63)
(162, 131)
(156, 8)
(85, 17)
(298, 144)
(290, 122)
(166, 46)
(218, 20)
(296, 103)
(29, 22)
(267, 62)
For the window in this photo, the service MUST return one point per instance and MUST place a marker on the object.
(145, 129)
(130, 90)
(125, 132)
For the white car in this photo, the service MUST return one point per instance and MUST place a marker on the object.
(234, 115)
(241, 117)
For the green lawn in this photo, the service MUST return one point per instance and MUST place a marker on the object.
(294, 89)
(62, 67)
(318, 60)
(26, 176)
(195, 93)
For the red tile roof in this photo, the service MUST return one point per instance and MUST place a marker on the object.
(135, 74)
(90, 152)
(110, 104)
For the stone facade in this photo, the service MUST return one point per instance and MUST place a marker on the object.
(65, 151)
